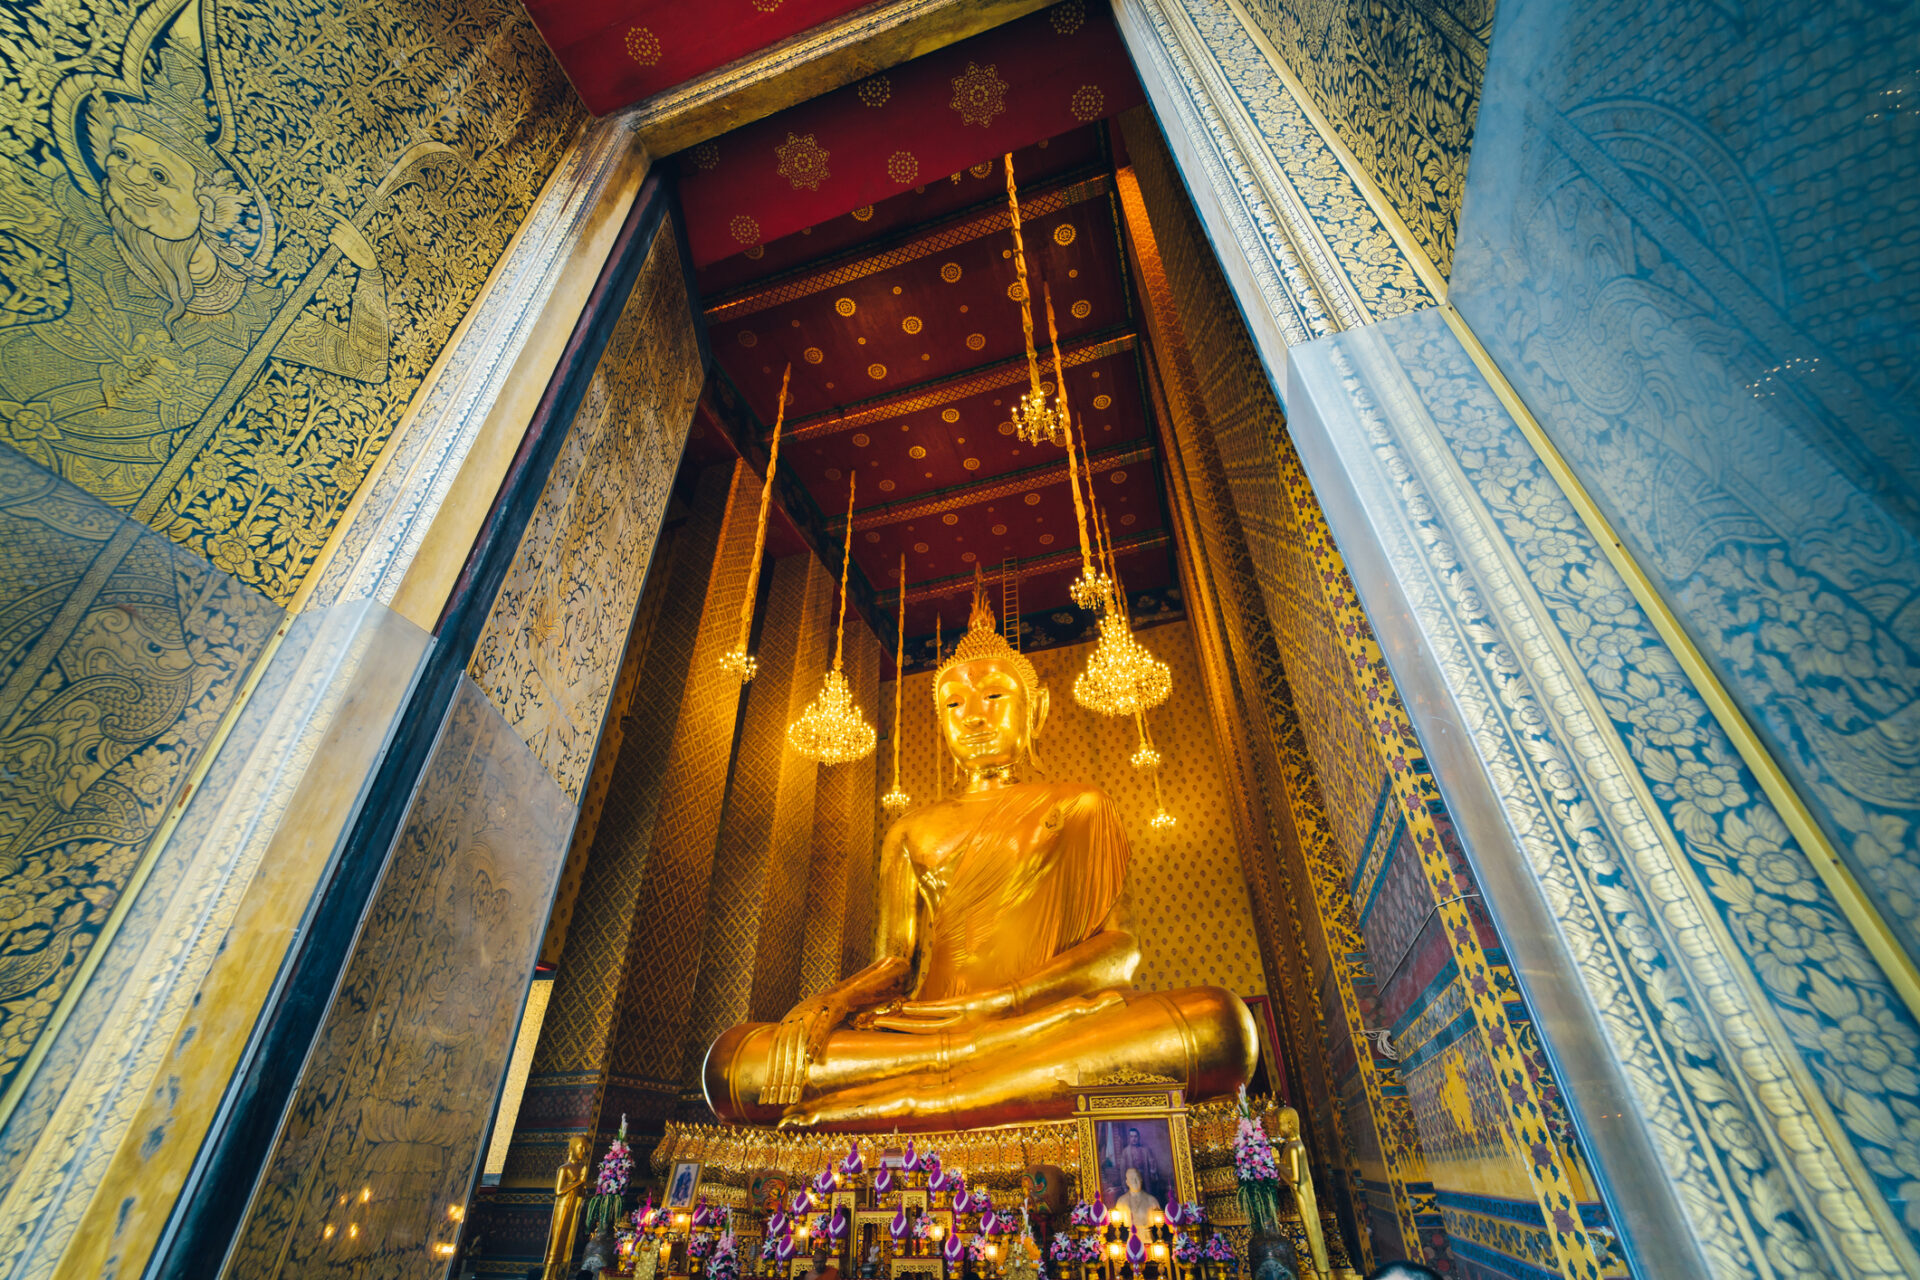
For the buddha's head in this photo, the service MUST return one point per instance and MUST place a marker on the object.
(991, 702)
(578, 1149)
(1133, 1181)
(1287, 1122)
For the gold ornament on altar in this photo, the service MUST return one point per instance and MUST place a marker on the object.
(831, 729)
(896, 801)
(1004, 965)
(1034, 420)
(737, 659)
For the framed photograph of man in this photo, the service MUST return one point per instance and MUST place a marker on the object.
(1143, 1148)
(682, 1183)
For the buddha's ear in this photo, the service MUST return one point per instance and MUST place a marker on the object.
(1042, 703)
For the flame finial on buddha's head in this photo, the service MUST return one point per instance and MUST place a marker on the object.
(983, 640)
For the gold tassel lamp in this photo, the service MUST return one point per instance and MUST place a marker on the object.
(831, 729)
(896, 801)
(737, 659)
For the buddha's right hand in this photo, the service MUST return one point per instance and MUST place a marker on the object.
(799, 1039)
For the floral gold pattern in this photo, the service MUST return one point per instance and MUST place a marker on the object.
(643, 46)
(903, 168)
(803, 162)
(979, 94)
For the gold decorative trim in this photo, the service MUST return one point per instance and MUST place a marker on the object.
(1886, 951)
(939, 240)
(816, 61)
(1423, 266)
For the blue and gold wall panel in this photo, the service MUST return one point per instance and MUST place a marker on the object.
(120, 653)
(1399, 81)
(1688, 243)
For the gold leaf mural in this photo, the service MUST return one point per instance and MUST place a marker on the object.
(234, 238)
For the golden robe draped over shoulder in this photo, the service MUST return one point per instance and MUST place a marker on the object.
(1037, 873)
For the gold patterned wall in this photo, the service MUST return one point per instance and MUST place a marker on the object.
(1190, 903)
(235, 237)
(1400, 84)
(552, 648)
(649, 793)
(750, 946)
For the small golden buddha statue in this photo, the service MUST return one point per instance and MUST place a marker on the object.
(1298, 1175)
(1005, 958)
(569, 1195)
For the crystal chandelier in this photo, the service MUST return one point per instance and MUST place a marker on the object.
(737, 659)
(1092, 586)
(895, 802)
(1121, 678)
(1145, 758)
(831, 729)
(1034, 420)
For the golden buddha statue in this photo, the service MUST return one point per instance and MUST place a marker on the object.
(1005, 959)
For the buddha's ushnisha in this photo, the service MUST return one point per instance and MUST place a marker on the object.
(1005, 960)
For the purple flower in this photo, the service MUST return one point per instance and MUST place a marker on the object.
(952, 1248)
(883, 1180)
(911, 1162)
(1136, 1249)
(898, 1227)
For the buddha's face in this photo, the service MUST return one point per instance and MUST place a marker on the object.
(985, 713)
(1133, 1181)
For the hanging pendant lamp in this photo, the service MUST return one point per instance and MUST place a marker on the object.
(831, 729)
(896, 801)
(737, 659)
(1034, 420)
(1092, 587)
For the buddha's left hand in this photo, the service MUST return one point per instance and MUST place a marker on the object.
(928, 1016)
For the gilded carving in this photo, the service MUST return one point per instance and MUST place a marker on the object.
(552, 644)
(230, 260)
(96, 746)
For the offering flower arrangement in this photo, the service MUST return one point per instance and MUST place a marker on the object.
(1259, 1173)
(615, 1168)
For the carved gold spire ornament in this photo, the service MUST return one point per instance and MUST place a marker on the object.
(895, 802)
(1034, 420)
(831, 729)
(1092, 586)
(737, 659)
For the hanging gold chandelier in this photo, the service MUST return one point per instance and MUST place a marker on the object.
(1034, 420)
(895, 802)
(831, 729)
(1121, 677)
(1092, 586)
(737, 659)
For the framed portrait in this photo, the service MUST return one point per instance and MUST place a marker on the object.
(682, 1184)
(1141, 1146)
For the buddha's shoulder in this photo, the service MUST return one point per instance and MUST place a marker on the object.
(1071, 799)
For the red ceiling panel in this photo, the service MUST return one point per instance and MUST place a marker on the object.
(911, 448)
(914, 125)
(617, 52)
(864, 328)
(1036, 166)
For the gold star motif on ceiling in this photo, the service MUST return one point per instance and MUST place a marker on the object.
(979, 94)
(803, 162)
